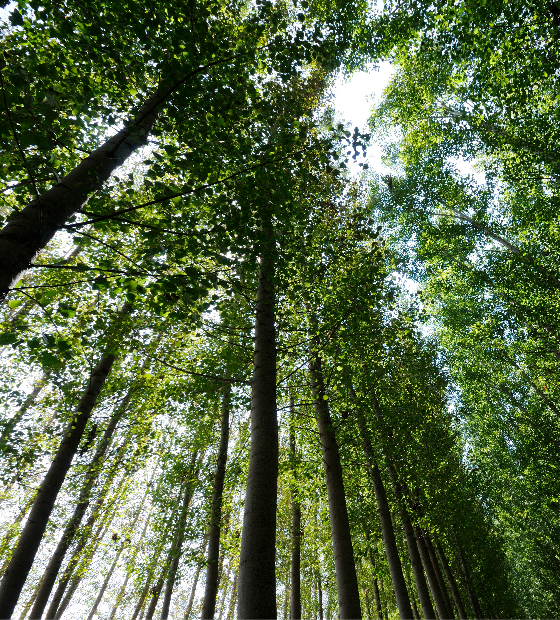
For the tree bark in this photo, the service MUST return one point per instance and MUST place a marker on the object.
(437, 595)
(257, 578)
(32, 533)
(53, 610)
(212, 572)
(53, 567)
(106, 582)
(232, 600)
(413, 553)
(452, 583)
(295, 580)
(30, 400)
(345, 568)
(175, 552)
(467, 577)
(195, 582)
(29, 231)
(439, 575)
(387, 531)
(377, 598)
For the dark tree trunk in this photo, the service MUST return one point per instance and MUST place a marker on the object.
(32, 533)
(467, 578)
(106, 582)
(257, 578)
(387, 531)
(320, 593)
(421, 585)
(175, 552)
(345, 568)
(195, 582)
(295, 580)
(439, 575)
(29, 231)
(51, 572)
(452, 583)
(53, 610)
(212, 576)
(437, 595)
(377, 598)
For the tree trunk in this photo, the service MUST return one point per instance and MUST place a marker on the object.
(129, 572)
(345, 568)
(29, 230)
(413, 553)
(212, 576)
(439, 575)
(467, 577)
(452, 583)
(177, 546)
(295, 580)
(106, 582)
(30, 400)
(232, 600)
(377, 598)
(257, 578)
(387, 531)
(195, 582)
(93, 472)
(32, 533)
(437, 595)
(320, 593)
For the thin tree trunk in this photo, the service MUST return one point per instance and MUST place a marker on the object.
(295, 580)
(231, 610)
(377, 598)
(92, 474)
(28, 402)
(129, 572)
(437, 595)
(76, 579)
(452, 583)
(345, 568)
(257, 578)
(177, 546)
(467, 577)
(387, 531)
(439, 575)
(212, 572)
(413, 553)
(320, 593)
(106, 582)
(32, 533)
(195, 582)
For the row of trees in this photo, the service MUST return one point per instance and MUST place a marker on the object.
(218, 398)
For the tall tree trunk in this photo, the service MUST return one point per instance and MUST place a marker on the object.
(129, 571)
(29, 230)
(78, 575)
(257, 578)
(232, 600)
(177, 546)
(295, 580)
(195, 583)
(437, 595)
(377, 598)
(212, 572)
(28, 402)
(467, 577)
(387, 531)
(53, 611)
(413, 553)
(32, 533)
(452, 583)
(106, 582)
(345, 568)
(92, 474)
(439, 575)
(320, 593)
